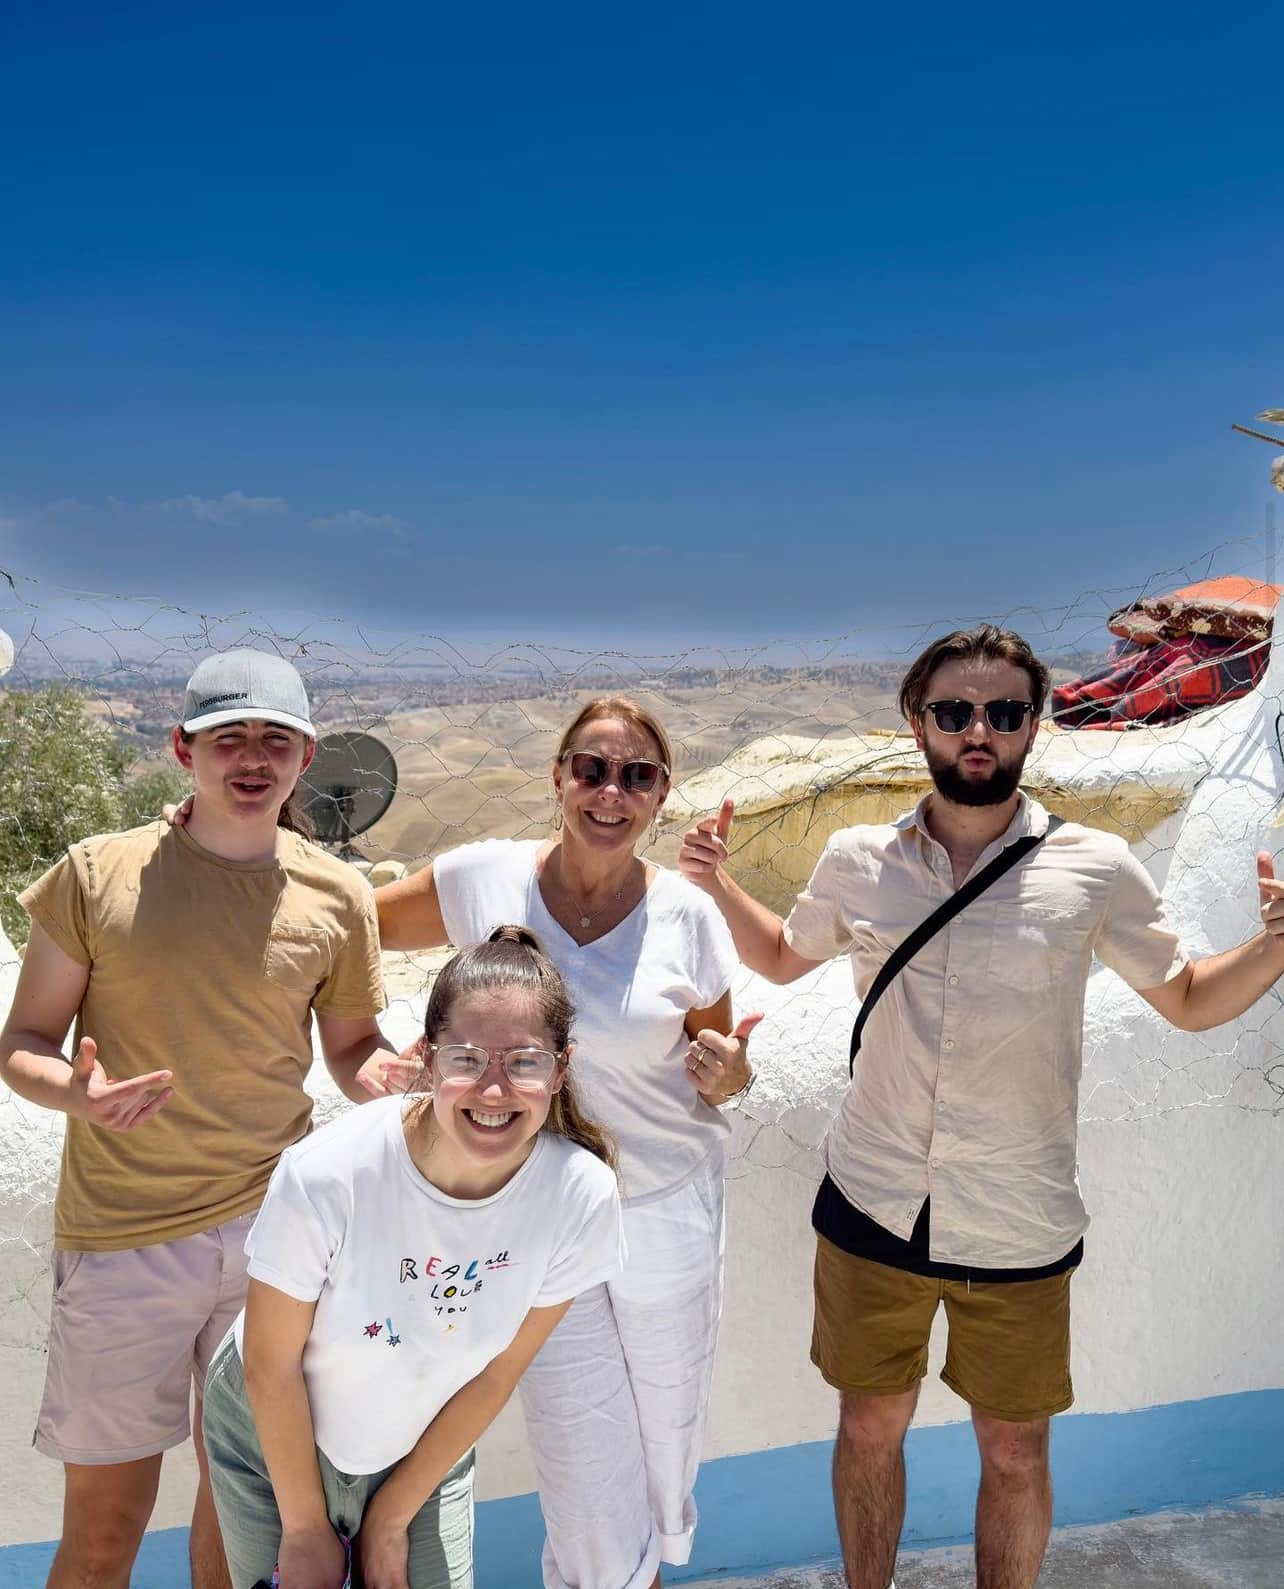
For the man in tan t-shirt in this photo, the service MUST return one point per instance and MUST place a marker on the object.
(951, 1163)
(192, 960)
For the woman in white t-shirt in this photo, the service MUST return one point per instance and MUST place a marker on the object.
(616, 1402)
(407, 1263)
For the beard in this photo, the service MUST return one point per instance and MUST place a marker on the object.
(955, 785)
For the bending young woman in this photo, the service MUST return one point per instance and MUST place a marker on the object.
(616, 1402)
(408, 1262)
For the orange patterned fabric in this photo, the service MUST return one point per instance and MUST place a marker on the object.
(1233, 607)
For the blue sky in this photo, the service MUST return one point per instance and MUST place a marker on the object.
(700, 321)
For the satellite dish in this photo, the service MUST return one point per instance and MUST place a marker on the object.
(348, 787)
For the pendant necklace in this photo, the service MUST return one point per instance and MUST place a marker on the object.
(586, 918)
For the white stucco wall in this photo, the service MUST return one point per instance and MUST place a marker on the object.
(1181, 1158)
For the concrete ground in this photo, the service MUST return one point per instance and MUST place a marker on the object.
(1240, 1548)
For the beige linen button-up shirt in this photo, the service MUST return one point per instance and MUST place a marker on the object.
(967, 1082)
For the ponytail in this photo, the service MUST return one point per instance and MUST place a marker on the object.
(567, 1119)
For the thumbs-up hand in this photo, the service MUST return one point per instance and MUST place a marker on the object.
(1270, 893)
(717, 1065)
(114, 1105)
(704, 847)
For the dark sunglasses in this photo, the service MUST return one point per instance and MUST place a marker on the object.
(1004, 717)
(636, 777)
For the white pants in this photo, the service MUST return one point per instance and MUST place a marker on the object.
(617, 1399)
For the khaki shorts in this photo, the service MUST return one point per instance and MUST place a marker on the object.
(130, 1334)
(1009, 1341)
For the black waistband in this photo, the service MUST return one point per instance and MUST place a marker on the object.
(839, 1221)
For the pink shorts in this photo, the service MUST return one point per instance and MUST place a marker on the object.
(130, 1334)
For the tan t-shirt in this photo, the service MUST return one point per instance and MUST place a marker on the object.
(211, 969)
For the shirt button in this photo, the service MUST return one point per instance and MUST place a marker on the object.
(949, 1042)
(934, 1163)
(954, 982)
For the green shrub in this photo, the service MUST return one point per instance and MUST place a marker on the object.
(63, 776)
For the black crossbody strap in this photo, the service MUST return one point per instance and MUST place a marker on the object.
(928, 928)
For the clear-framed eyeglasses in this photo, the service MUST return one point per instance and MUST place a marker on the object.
(524, 1067)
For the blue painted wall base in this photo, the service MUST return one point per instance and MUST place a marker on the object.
(772, 1508)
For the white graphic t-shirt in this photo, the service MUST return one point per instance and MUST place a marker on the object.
(632, 989)
(417, 1292)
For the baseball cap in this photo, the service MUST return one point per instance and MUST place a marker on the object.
(241, 684)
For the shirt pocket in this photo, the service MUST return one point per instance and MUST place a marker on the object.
(1024, 953)
(297, 958)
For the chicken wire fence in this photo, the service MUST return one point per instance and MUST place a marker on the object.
(802, 733)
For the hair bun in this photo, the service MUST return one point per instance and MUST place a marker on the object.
(508, 933)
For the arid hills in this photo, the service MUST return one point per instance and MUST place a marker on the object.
(473, 754)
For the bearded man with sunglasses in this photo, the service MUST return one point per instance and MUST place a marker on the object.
(951, 1163)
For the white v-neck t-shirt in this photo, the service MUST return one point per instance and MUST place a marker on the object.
(632, 989)
(417, 1292)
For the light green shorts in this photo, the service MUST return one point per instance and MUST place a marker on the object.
(441, 1534)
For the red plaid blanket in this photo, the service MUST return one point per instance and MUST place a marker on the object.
(1160, 683)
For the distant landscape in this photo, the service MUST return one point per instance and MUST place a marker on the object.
(473, 753)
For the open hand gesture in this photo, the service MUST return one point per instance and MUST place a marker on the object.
(114, 1105)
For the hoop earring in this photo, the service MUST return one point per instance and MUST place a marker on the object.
(557, 818)
(655, 819)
